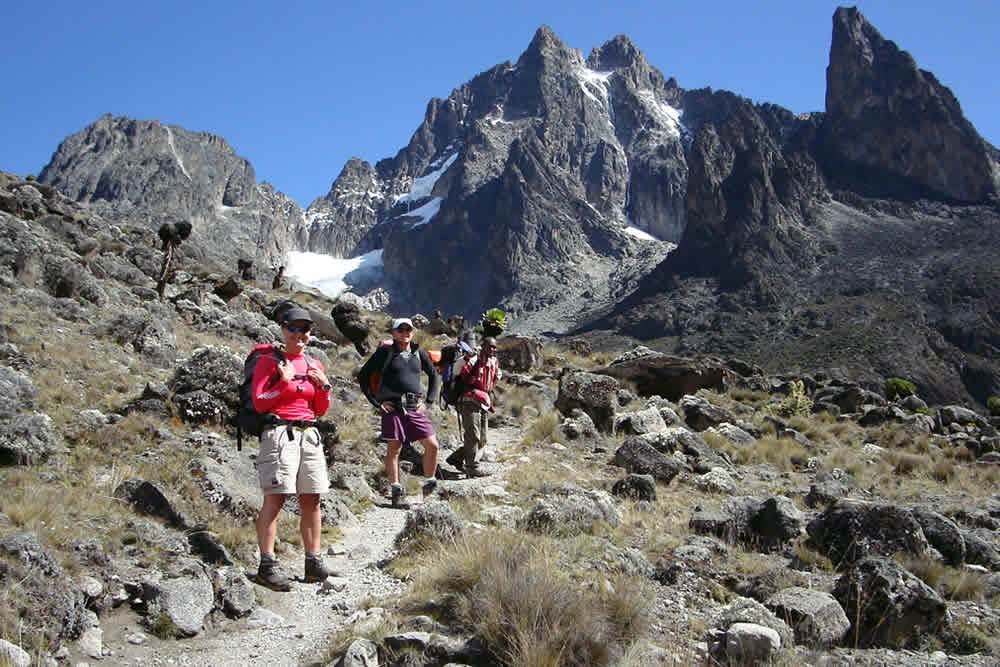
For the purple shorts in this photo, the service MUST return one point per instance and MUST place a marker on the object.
(408, 427)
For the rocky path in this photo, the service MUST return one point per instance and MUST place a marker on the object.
(294, 628)
(287, 628)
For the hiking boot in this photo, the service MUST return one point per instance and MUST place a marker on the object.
(455, 459)
(475, 471)
(428, 487)
(398, 497)
(268, 575)
(316, 570)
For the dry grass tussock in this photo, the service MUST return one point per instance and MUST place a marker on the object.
(950, 582)
(783, 453)
(514, 593)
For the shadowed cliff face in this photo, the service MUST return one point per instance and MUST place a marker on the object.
(895, 124)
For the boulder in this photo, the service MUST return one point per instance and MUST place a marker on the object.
(27, 439)
(763, 525)
(183, 594)
(638, 423)
(519, 354)
(887, 605)
(700, 415)
(639, 457)
(434, 519)
(571, 511)
(654, 373)
(596, 395)
(816, 617)
(942, 533)
(635, 487)
(850, 530)
(17, 392)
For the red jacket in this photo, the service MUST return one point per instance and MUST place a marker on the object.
(482, 377)
(297, 400)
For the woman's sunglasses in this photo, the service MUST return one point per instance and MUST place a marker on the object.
(295, 328)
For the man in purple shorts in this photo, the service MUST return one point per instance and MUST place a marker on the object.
(397, 396)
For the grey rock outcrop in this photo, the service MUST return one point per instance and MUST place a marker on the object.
(132, 170)
(762, 524)
(570, 511)
(27, 439)
(654, 373)
(637, 456)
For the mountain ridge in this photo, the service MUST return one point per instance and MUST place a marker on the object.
(535, 169)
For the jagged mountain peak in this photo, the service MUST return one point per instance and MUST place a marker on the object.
(886, 117)
(616, 53)
(546, 47)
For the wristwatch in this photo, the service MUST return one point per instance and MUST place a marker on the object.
(327, 387)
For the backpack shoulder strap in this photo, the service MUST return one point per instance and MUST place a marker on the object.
(390, 352)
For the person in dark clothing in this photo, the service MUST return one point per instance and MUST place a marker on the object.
(279, 278)
(398, 398)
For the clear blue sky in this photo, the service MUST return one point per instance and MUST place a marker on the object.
(300, 87)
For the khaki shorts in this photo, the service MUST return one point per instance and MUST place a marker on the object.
(291, 466)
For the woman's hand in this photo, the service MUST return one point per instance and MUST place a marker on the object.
(317, 377)
(387, 407)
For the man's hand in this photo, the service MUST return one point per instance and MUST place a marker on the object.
(386, 407)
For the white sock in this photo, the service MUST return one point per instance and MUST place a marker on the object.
(428, 480)
(396, 485)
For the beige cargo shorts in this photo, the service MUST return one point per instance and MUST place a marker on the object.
(291, 461)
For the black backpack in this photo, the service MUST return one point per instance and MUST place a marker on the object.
(248, 420)
(450, 366)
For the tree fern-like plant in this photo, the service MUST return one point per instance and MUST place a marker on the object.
(172, 235)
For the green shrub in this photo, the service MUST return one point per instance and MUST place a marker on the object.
(899, 388)
(796, 403)
(30, 177)
(993, 403)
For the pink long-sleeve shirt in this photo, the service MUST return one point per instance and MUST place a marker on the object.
(298, 399)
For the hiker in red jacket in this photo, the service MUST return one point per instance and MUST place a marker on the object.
(290, 459)
(479, 376)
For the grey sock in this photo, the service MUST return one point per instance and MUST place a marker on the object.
(313, 556)
(268, 558)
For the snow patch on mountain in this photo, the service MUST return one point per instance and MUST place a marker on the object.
(173, 149)
(332, 275)
(423, 186)
(668, 116)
